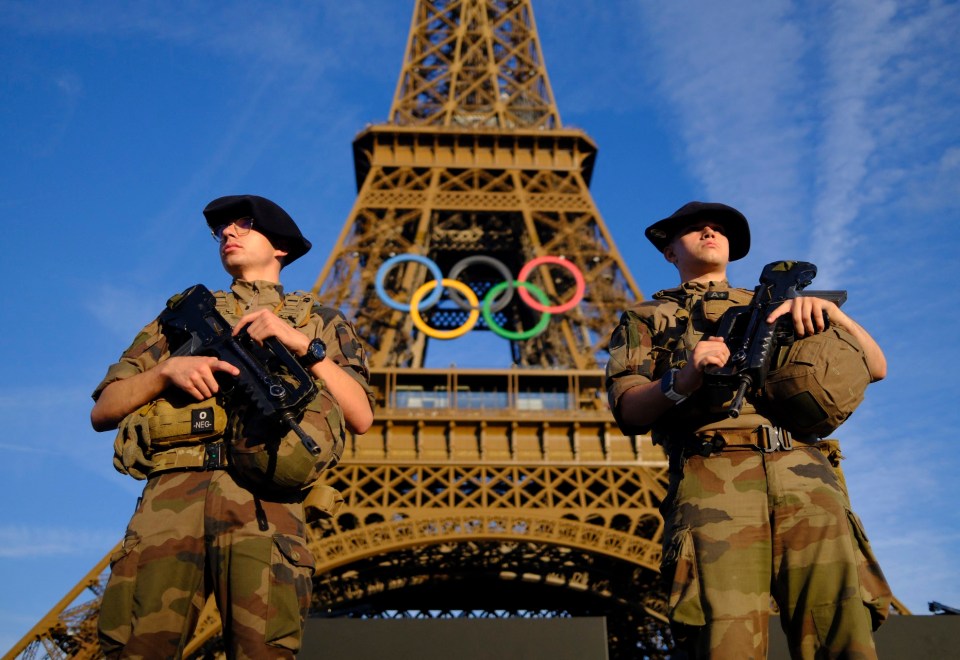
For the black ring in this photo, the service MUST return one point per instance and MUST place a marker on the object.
(500, 302)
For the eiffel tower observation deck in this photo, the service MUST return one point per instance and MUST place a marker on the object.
(499, 491)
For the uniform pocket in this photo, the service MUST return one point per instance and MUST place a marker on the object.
(291, 585)
(682, 578)
(874, 589)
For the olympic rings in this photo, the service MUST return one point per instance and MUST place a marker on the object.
(445, 334)
(390, 263)
(495, 299)
(541, 306)
(508, 334)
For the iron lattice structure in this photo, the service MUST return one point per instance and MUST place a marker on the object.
(474, 161)
(478, 492)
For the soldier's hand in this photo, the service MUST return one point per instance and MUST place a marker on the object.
(196, 375)
(809, 314)
(264, 324)
(709, 352)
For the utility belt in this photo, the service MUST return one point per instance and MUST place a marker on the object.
(208, 456)
(181, 434)
(320, 501)
(706, 443)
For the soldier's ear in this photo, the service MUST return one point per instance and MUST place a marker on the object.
(669, 254)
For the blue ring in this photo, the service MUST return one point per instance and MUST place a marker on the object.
(427, 302)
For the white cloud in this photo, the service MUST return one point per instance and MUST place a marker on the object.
(860, 41)
(889, 119)
(811, 121)
(733, 77)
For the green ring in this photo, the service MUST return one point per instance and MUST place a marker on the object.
(509, 334)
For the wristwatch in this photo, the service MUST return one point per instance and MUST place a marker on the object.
(316, 352)
(666, 386)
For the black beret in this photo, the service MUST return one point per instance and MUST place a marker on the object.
(268, 218)
(734, 224)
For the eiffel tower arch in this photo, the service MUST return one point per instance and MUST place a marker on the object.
(506, 490)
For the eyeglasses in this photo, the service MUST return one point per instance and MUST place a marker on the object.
(243, 225)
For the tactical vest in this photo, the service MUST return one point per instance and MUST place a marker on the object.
(814, 384)
(295, 308)
(172, 432)
(694, 316)
(682, 318)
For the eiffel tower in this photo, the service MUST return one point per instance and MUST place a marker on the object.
(479, 492)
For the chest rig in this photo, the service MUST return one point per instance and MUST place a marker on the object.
(690, 316)
(175, 432)
(295, 308)
(684, 317)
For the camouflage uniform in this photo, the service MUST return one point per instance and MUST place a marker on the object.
(742, 524)
(198, 531)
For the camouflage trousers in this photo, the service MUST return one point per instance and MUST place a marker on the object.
(742, 526)
(197, 533)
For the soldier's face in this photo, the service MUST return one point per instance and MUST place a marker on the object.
(249, 255)
(702, 243)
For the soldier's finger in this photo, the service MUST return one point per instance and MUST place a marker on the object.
(242, 323)
(799, 324)
(779, 311)
(808, 320)
(222, 365)
(256, 318)
(205, 384)
(196, 391)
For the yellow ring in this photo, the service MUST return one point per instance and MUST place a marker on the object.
(445, 334)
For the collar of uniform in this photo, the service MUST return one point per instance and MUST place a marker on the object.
(257, 293)
(692, 288)
(703, 287)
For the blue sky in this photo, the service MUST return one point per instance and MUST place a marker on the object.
(832, 126)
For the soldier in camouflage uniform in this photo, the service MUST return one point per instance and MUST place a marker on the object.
(207, 522)
(751, 512)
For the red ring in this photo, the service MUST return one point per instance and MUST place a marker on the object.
(556, 309)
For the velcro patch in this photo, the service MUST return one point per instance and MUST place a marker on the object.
(201, 420)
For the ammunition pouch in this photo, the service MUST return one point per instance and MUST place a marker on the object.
(161, 426)
(322, 502)
(820, 381)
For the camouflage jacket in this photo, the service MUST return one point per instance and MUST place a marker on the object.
(266, 461)
(149, 348)
(658, 334)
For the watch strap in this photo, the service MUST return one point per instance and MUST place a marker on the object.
(667, 386)
(316, 352)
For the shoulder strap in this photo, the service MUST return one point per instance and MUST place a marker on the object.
(296, 308)
(226, 305)
(677, 295)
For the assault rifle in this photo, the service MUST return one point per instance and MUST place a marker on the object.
(752, 341)
(271, 379)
